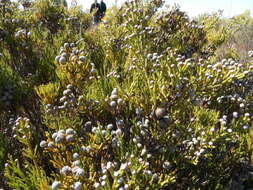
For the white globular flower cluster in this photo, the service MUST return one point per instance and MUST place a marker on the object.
(115, 101)
(66, 170)
(77, 171)
(23, 33)
(63, 136)
(77, 185)
(56, 185)
(250, 53)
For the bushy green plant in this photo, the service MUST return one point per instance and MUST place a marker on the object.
(136, 102)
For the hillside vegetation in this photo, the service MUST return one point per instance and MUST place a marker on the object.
(149, 99)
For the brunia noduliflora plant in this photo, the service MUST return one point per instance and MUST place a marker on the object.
(134, 103)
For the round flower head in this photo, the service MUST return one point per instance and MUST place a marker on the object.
(123, 166)
(77, 186)
(118, 132)
(67, 92)
(54, 135)
(82, 58)
(160, 112)
(109, 126)
(62, 60)
(57, 58)
(76, 163)
(66, 170)
(235, 114)
(56, 185)
(43, 144)
(113, 104)
(59, 138)
(70, 138)
(114, 97)
(96, 185)
(76, 156)
(79, 172)
(50, 144)
(103, 183)
(70, 131)
(109, 165)
(114, 91)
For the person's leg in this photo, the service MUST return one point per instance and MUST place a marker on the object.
(95, 19)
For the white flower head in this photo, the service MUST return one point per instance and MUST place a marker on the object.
(123, 166)
(77, 185)
(66, 170)
(56, 185)
(43, 144)
(96, 185)
(79, 172)
(76, 156)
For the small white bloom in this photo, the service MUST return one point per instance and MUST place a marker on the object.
(76, 156)
(116, 173)
(79, 172)
(77, 186)
(143, 152)
(109, 165)
(114, 91)
(82, 58)
(50, 144)
(70, 138)
(56, 185)
(245, 127)
(242, 105)
(96, 185)
(62, 60)
(54, 135)
(103, 132)
(103, 183)
(235, 114)
(109, 126)
(65, 170)
(70, 131)
(230, 130)
(59, 138)
(123, 166)
(76, 163)
(201, 150)
(246, 114)
(223, 122)
(120, 180)
(43, 144)
(118, 132)
(104, 177)
(139, 145)
(113, 104)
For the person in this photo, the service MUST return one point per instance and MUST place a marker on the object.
(95, 9)
(102, 9)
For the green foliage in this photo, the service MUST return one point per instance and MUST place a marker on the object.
(48, 93)
(231, 37)
(3, 151)
(141, 101)
(25, 178)
(11, 90)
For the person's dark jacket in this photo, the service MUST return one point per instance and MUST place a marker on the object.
(95, 6)
(102, 8)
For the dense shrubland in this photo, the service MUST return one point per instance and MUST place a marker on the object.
(145, 100)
